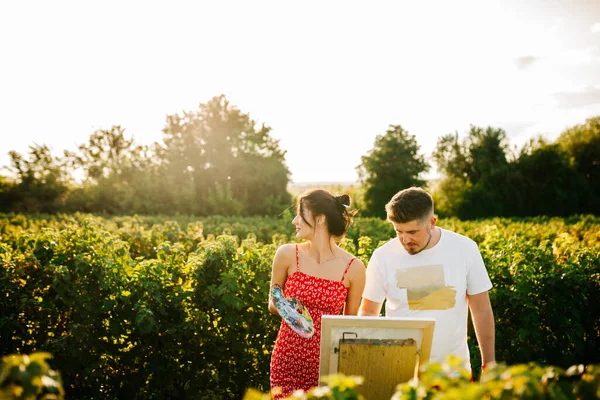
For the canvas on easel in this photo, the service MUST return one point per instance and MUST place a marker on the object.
(385, 351)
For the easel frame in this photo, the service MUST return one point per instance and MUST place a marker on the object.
(374, 327)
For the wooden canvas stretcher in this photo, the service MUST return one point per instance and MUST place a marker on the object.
(384, 351)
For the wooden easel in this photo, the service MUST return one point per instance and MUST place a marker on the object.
(361, 348)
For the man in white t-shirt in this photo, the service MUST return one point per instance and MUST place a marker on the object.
(431, 272)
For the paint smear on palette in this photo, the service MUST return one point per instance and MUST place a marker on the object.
(425, 287)
(293, 312)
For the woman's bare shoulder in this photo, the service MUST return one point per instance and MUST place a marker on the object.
(287, 250)
(357, 268)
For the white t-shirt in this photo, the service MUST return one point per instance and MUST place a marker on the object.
(433, 283)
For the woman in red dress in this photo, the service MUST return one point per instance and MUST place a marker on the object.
(324, 277)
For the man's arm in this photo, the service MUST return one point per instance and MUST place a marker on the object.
(374, 289)
(369, 308)
(483, 321)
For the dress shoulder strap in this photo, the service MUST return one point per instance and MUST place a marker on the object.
(297, 260)
(347, 268)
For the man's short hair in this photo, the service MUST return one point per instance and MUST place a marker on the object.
(409, 205)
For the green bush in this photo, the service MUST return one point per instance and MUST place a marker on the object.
(24, 377)
(450, 381)
(143, 307)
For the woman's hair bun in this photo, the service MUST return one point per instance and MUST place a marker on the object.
(343, 199)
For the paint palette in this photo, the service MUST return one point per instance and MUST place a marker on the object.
(293, 312)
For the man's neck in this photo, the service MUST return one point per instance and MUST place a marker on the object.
(436, 234)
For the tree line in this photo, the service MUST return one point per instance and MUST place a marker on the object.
(482, 176)
(218, 161)
(215, 160)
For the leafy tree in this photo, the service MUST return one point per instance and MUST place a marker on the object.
(468, 167)
(547, 184)
(482, 152)
(233, 165)
(106, 153)
(392, 165)
(8, 194)
(450, 156)
(41, 180)
(449, 196)
(582, 144)
(487, 152)
(116, 172)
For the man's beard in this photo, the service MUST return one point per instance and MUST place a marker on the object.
(422, 248)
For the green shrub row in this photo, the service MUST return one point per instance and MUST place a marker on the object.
(29, 377)
(449, 381)
(139, 309)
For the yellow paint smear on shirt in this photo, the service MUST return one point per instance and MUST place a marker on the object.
(441, 299)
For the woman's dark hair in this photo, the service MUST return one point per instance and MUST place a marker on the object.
(333, 207)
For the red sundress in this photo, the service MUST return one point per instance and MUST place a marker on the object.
(295, 360)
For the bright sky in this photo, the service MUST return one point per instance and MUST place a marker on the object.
(327, 76)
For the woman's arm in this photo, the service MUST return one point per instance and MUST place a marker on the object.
(357, 277)
(279, 269)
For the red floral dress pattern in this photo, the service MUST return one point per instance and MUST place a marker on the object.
(295, 360)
